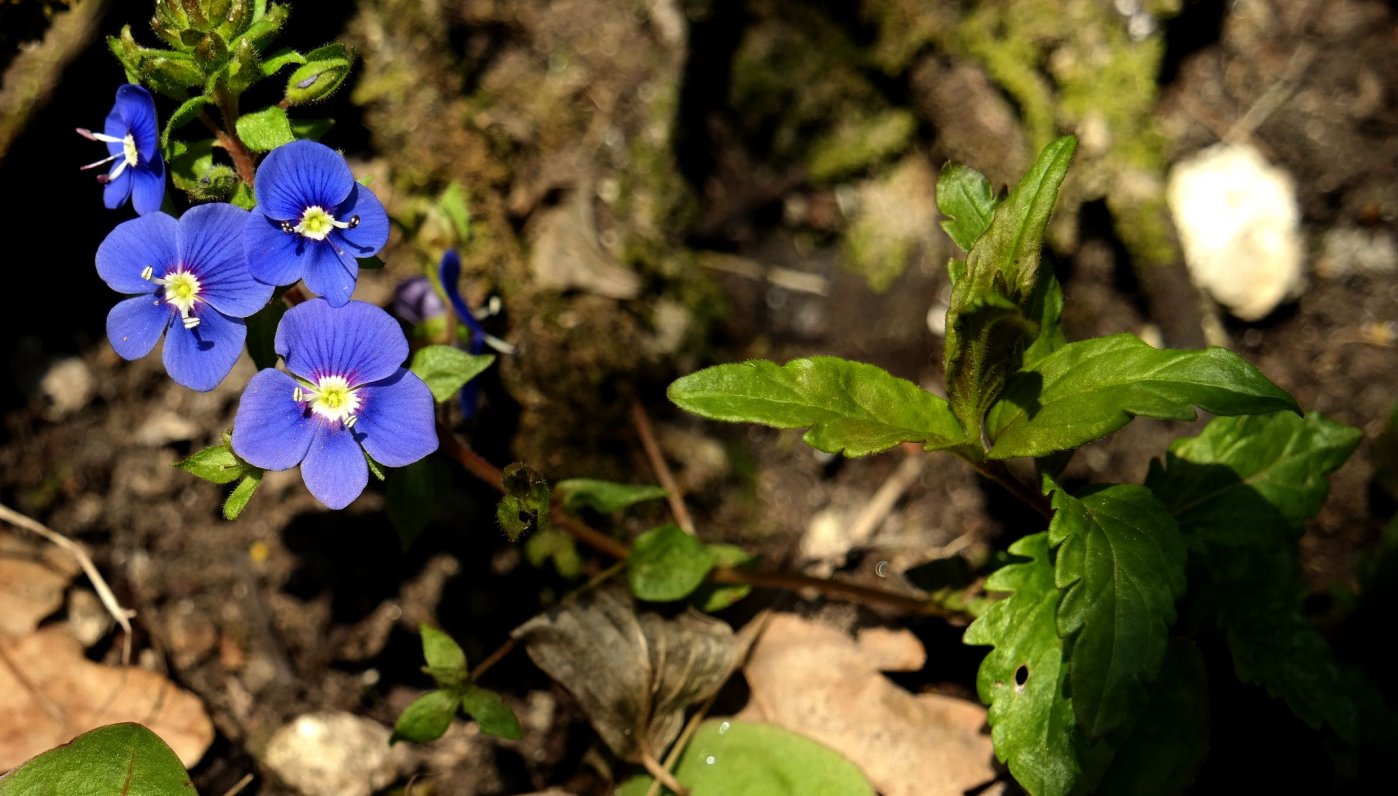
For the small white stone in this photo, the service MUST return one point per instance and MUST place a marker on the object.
(1350, 250)
(333, 754)
(1237, 219)
(67, 387)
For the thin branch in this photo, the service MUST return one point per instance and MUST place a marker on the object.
(997, 472)
(231, 143)
(104, 592)
(673, 494)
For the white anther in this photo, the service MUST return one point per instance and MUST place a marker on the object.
(298, 395)
(190, 322)
(147, 273)
(351, 420)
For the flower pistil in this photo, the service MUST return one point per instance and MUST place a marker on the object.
(317, 223)
(181, 292)
(129, 155)
(332, 397)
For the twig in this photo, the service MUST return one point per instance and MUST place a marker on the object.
(104, 592)
(673, 494)
(233, 145)
(239, 786)
(657, 769)
(877, 509)
(997, 472)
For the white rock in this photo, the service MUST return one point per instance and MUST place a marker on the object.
(333, 754)
(67, 387)
(1237, 219)
(1350, 250)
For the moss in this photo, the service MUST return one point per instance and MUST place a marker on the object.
(857, 143)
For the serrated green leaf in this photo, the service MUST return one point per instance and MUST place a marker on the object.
(274, 62)
(262, 333)
(1167, 745)
(604, 497)
(265, 130)
(1023, 678)
(526, 504)
(183, 115)
(491, 713)
(1253, 479)
(988, 319)
(667, 564)
(409, 497)
(1121, 565)
(738, 758)
(446, 368)
(241, 494)
(217, 464)
(850, 407)
(710, 596)
(119, 758)
(445, 660)
(426, 718)
(965, 197)
(1088, 389)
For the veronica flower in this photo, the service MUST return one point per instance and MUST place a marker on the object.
(187, 276)
(347, 389)
(132, 135)
(312, 221)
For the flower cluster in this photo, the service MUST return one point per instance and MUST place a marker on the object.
(196, 280)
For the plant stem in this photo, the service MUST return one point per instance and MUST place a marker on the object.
(227, 136)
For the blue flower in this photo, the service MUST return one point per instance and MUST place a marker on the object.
(132, 135)
(347, 388)
(312, 221)
(188, 276)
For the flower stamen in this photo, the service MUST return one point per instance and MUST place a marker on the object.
(317, 223)
(181, 292)
(332, 397)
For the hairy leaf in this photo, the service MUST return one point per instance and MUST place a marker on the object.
(445, 660)
(1167, 745)
(217, 463)
(242, 493)
(1120, 562)
(1023, 678)
(119, 758)
(183, 115)
(283, 57)
(526, 504)
(1251, 480)
(265, 130)
(491, 713)
(989, 321)
(426, 718)
(667, 564)
(850, 407)
(1046, 308)
(965, 197)
(445, 368)
(1088, 389)
(604, 496)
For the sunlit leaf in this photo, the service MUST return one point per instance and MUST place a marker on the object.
(445, 369)
(965, 197)
(667, 564)
(426, 718)
(604, 497)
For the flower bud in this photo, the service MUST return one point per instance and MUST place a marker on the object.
(324, 71)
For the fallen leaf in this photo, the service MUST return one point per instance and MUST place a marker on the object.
(50, 693)
(816, 681)
(633, 674)
(33, 579)
(567, 256)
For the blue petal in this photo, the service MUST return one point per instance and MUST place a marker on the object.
(199, 358)
(371, 233)
(298, 175)
(397, 423)
(334, 469)
(274, 257)
(135, 324)
(137, 109)
(117, 190)
(211, 245)
(148, 186)
(271, 430)
(330, 273)
(357, 341)
(449, 270)
(133, 245)
(116, 127)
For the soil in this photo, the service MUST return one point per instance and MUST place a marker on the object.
(293, 609)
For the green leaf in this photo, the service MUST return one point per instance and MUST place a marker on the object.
(1023, 677)
(262, 334)
(241, 494)
(445, 660)
(183, 115)
(604, 497)
(738, 758)
(526, 504)
(1253, 479)
(409, 497)
(266, 25)
(314, 129)
(710, 597)
(667, 564)
(1167, 746)
(190, 163)
(850, 407)
(988, 320)
(554, 544)
(426, 718)
(446, 368)
(1046, 308)
(216, 463)
(244, 67)
(119, 758)
(1120, 563)
(451, 203)
(965, 197)
(274, 62)
(491, 713)
(265, 130)
(1088, 389)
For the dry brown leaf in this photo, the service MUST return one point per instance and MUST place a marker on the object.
(634, 675)
(50, 693)
(567, 256)
(816, 681)
(33, 579)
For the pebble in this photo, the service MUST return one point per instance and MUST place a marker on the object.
(66, 388)
(333, 754)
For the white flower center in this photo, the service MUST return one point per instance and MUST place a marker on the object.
(317, 223)
(129, 156)
(182, 291)
(332, 397)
